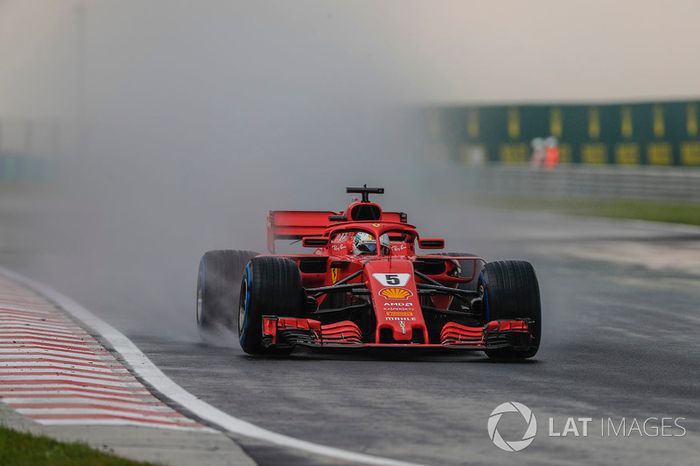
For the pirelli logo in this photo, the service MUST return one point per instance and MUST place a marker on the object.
(399, 314)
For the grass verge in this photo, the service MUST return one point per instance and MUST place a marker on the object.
(657, 211)
(22, 449)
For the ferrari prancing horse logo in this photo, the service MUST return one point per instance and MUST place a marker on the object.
(334, 275)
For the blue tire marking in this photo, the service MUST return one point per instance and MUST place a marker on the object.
(202, 285)
(247, 288)
(486, 298)
(246, 306)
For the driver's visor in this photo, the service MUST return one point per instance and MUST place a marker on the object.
(369, 247)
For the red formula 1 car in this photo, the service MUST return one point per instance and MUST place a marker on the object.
(364, 285)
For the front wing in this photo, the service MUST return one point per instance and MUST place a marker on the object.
(291, 331)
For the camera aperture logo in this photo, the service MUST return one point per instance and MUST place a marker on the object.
(530, 431)
(621, 427)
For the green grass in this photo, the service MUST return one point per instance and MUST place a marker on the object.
(657, 211)
(22, 449)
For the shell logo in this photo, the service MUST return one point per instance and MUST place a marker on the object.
(395, 293)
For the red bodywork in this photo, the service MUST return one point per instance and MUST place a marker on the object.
(395, 299)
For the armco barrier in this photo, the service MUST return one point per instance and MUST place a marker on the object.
(582, 181)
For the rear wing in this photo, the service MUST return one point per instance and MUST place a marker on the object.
(296, 224)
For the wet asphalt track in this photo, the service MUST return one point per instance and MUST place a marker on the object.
(619, 339)
(611, 348)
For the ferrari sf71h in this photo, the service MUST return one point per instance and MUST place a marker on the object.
(364, 285)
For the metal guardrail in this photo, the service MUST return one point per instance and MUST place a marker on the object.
(584, 181)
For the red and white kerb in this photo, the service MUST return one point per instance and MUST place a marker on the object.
(54, 372)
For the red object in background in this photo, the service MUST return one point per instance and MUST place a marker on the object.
(551, 157)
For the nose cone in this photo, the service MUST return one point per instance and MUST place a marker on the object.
(395, 300)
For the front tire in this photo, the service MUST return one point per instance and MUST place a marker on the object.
(511, 291)
(271, 286)
(218, 284)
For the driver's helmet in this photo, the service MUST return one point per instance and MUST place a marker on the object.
(385, 244)
(364, 243)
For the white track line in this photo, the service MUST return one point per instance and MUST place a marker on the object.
(152, 375)
(26, 368)
(62, 376)
(34, 356)
(58, 367)
(50, 402)
(146, 415)
(71, 345)
(38, 324)
(50, 337)
(36, 349)
(63, 392)
(129, 423)
(15, 327)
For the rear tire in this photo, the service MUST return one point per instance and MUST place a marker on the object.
(218, 285)
(271, 286)
(511, 291)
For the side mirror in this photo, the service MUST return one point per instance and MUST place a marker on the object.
(431, 243)
(314, 242)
